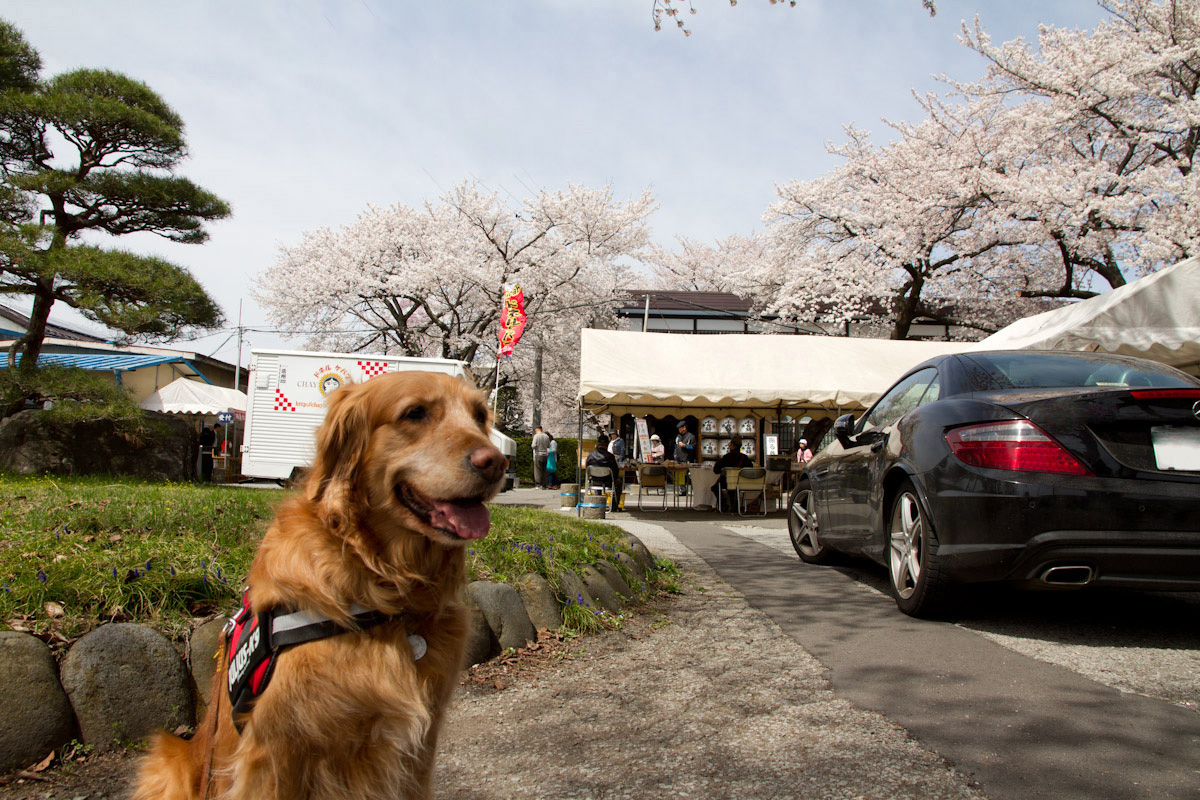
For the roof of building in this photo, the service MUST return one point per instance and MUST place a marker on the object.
(110, 362)
(52, 330)
(685, 301)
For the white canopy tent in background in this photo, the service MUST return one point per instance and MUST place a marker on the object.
(183, 396)
(1156, 317)
(626, 372)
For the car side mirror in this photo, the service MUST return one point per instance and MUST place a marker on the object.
(843, 428)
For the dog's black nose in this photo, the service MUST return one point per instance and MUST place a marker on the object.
(489, 462)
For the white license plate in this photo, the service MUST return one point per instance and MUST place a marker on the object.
(1176, 448)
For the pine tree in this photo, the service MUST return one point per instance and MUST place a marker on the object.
(116, 145)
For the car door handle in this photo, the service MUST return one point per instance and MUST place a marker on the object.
(877, 446)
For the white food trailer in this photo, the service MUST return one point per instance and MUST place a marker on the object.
(287, 403)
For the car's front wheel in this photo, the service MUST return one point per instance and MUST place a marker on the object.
(917, 581)
(804, 529)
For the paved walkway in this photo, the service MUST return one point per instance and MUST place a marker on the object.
(1018, 726)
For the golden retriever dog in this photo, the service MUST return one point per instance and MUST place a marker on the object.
(402, 471)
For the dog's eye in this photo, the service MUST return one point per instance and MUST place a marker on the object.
(415, 414)
(481, 417)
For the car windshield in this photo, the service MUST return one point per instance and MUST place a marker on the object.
(990, 371)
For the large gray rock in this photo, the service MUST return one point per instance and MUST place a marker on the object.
(482, 643)
(613, 576)
(635, 568)
(35, 715)
(540, 602)
(202, 652)
(34, 442)
(599, 588)
(575, 591)
(640, 552)
(126, 681)
(505, 613)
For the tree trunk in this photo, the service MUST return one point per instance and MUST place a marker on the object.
(537, 383)
(30, 345)
(906, 307)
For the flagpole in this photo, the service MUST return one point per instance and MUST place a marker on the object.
(496, 389)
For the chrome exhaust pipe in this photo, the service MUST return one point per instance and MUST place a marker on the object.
(1068, 575)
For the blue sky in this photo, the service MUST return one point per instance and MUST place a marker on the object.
(300, 113)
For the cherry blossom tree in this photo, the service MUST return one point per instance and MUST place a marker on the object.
(1097, 178)
(726, 266)
(673, 10)
(887, 230)
(429, 281)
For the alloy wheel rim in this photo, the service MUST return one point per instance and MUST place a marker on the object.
(802, 523)
(905, 542)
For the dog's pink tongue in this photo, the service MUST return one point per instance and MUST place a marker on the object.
(467, 520)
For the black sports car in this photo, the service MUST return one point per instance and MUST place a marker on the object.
(1049, 469)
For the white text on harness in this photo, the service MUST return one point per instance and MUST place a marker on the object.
(241, 659)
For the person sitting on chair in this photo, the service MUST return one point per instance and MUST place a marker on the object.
(600, 457)
(734, 459)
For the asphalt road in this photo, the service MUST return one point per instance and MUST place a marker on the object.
(1020, 726)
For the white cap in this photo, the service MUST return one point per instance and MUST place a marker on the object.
(655, 438)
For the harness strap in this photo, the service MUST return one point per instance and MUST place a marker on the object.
(306, 626)
(255, 641)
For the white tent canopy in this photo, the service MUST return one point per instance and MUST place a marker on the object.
(183, 396)
(1156, 317)
(661, 373)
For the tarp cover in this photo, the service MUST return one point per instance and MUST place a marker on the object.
(637, 373)
(183, 396)
(1156, 317)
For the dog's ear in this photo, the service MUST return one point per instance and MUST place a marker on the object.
(342, 443)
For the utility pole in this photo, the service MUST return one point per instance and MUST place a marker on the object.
(237, 367)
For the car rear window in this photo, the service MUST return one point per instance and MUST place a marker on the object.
(991, 371)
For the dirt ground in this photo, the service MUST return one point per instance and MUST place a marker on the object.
(697, 696)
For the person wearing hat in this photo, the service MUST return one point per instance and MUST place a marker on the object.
(657, 451)
(685, 451)
(803, 454)
(685, 444)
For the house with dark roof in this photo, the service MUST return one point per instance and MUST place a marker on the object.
(682, 311)
(142, 370)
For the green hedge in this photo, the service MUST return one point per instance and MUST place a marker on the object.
(567, 448)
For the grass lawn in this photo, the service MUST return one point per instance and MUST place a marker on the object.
(76, 552)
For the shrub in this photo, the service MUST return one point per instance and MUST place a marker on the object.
(74, 395)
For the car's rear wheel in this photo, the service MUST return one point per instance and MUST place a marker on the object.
(803, 527)
(918, 584)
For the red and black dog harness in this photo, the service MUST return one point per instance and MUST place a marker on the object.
(255, 641)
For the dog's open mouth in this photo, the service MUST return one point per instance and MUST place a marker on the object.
(463, 518)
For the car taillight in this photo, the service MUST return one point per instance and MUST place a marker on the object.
(1015, 445)
(1163, 394)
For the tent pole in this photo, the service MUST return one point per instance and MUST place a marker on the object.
(579, 464)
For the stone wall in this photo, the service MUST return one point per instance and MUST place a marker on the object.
(35, 442)
(122, 682)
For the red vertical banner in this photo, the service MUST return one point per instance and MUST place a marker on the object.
(512, 320)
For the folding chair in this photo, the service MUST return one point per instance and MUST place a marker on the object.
(681, 481)
(775, 486)
(652, 477)
(731, 482)
(751, 483)
(594, 479)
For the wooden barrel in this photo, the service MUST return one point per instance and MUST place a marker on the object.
(593, 506)
(570, 495)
